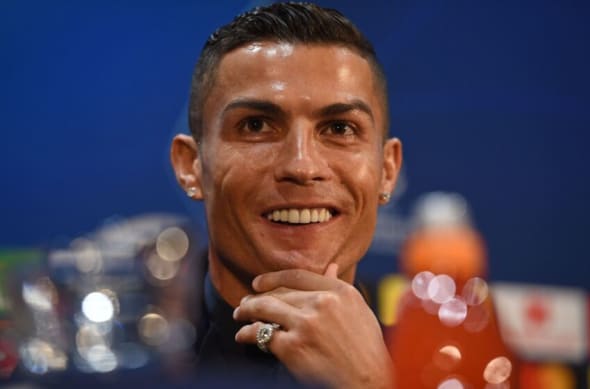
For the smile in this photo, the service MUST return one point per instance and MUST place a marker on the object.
(300, 216)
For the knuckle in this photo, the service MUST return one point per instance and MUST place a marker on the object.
(299, 343)
(309, 322)
(326, 301)
(252, 306)
(349, 292)
(295, 343)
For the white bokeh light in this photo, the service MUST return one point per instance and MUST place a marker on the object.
(420, 284)
(441, 288)
(453, 312)
(101, 359)
(154, 329)
(497, 370)
(35, 297)
(475, 291)
(98, 307)
(172, 244)
(452, 383)
(447, 357)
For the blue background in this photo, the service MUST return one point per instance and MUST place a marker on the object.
(491, 100)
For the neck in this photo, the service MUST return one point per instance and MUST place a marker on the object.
(230, 287)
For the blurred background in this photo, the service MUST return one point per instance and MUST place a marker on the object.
(491, 101)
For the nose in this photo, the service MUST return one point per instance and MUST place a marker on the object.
(300, 161)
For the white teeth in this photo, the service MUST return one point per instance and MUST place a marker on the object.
(305, 216)
(293, 216)
(284, 216)
(300, 216)
(314, 216)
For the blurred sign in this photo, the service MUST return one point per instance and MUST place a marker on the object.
(543, 323)
(9, 260)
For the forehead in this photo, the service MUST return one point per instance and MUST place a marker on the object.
(317, 73)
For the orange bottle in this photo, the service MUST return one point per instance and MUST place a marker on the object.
(446, 335)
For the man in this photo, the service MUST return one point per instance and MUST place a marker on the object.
(289, 119)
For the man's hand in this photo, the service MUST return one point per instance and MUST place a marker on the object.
(328, 334)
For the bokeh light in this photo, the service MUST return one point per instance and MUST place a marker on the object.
(98, 307)
(453, 312)
(475, 291)
(40, 357)
(153, 329)
(441, 288)
(101, 359)
(89, 335)
(40, 295)
(497, 370)
(161, 269)
(172, 244)
(447, 357)
(420, 284)
(451, 383)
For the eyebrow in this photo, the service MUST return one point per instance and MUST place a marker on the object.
(273, 109)
(340, 108)
(257, 105)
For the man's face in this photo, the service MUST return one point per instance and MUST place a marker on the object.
(291, 162)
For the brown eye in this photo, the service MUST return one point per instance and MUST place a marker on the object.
(340, 128)
(254, 124)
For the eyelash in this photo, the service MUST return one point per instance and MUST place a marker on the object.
(244, 125)
(263, 126)
(351, 129)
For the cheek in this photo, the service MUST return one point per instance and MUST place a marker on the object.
(231, 172)
(362, 174)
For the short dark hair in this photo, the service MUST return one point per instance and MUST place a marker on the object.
(280, 22)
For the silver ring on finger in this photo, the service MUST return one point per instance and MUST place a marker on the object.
(264, 335)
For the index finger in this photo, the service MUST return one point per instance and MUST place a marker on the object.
(297, 279)
(332, 270)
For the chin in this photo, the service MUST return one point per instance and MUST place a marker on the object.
(298, 260)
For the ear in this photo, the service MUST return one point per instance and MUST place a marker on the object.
(392, 163)
(184, 155)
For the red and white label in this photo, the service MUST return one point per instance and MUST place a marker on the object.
(540, 322)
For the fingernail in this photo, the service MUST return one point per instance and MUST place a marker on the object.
(243, 300)
(235, 314)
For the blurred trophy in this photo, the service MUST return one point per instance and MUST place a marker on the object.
(118, 299)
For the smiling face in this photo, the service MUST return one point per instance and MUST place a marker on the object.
(291, 161)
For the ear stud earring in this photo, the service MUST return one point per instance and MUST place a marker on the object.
(191, 191)
(385, 197)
